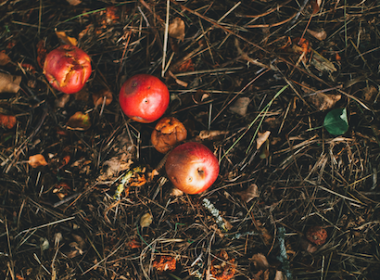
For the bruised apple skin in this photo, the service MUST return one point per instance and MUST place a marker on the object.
(67, 68)
(144, 98)
(192, 167)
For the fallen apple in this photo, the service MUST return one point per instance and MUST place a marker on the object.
(168, 132)
(67, 68)
(192, 167)
(144, 98)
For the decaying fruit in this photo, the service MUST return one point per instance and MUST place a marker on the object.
(168, 132)
(67, 68)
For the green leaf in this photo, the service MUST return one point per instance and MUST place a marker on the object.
(336, 121)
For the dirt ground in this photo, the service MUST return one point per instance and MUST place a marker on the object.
(284, 93)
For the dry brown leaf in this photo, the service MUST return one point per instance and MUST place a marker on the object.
(323, 101)
(321, 63)
(250, 193)
(279, 275)
(260, 261)
(4, 58)
(9, 83)
(66, 39)
(320, 35)
(212, 134)
(261, 138)
(74, 2)
(7, 121)
(370, 93)
(146, 220)
(79, 121)
(37, 160)
(177, 29)
(98, 97)
(240, 106)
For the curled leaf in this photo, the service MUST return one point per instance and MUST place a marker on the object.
(146, 220)
(79, 121)
(250, 193)
(177, 29)
(336, 122)
(37, 160)
(9, 83)
(261, 138)
(240, 106)
(260, 261)
(319, 35)
(4, 58)
(66, 39)
(98, 97)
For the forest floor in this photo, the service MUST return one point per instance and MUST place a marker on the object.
(284, 93)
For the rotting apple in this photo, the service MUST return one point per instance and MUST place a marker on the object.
(168, 132)
(144, 98)
(192, 167)
(67, 68)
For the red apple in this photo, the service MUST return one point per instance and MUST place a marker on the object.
(192, 167)
(67, 68)
(144, 98)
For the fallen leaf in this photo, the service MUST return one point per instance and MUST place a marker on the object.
(7, 121)
(223, 267)
(133, 244)
(320, 34)
(74, 2)
(79, 121)
(177, 29)
(9, 83)
(261, 138)
(186, 66)
(260, 261)
(111, 16)
(279, 275)
(146, 220)
(212, 134)
(250, 193)
(66, 39)
(165, 263)
(240, 106)
(370, 93)
(323, 101)
(321, 63)
(4, 58)
(37, 160)
(98, 97)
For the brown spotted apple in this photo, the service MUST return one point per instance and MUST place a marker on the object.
(144, 98)
(67, 68)
(192, 167)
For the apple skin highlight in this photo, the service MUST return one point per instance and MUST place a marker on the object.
(144, 98)
(192, 167)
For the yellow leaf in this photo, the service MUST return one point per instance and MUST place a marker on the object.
(66, 39)
(79, 121)
(146, 220)
(37, 160)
